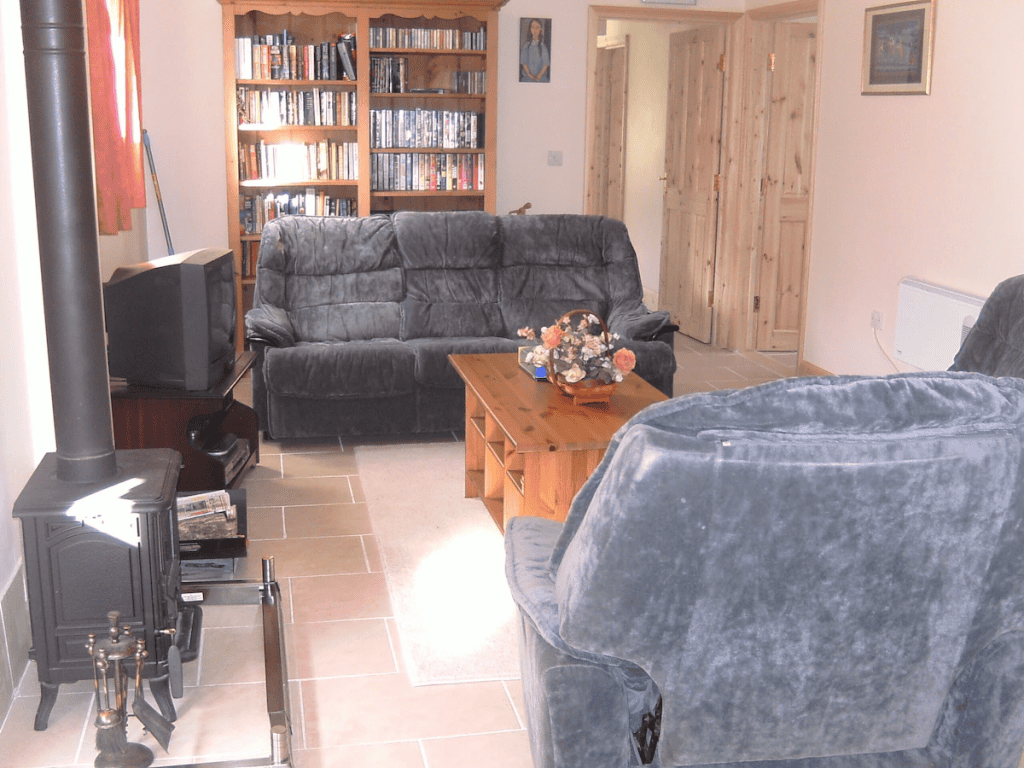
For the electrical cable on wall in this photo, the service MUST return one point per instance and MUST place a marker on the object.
(887, 357)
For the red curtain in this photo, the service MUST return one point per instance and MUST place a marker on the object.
(116, 98)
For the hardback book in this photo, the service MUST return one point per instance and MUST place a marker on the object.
(286, 64)
(246, 221)
(347, 52)
(275, 62)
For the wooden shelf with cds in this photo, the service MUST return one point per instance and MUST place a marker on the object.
(444, 60)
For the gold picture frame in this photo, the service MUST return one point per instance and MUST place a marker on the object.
(898, 43)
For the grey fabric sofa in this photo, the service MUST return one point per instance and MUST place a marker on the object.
(354, 318)
(811, 573)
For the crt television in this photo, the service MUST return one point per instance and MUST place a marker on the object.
(171, 322)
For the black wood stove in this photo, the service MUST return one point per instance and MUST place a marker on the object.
(104, 546)
(99, 524)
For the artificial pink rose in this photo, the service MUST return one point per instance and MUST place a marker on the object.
(624, 360)
(551, 336)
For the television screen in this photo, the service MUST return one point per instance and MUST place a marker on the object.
(171, 322)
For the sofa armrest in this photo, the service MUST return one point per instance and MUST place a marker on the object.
(269, 325)
(638, 325)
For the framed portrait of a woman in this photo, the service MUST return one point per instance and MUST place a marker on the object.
(534, 50)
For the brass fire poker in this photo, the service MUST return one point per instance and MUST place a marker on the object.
(109, 654)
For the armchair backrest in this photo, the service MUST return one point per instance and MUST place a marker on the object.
(804, 567)
(995, 345)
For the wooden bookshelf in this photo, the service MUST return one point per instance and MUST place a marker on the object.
(444, 58)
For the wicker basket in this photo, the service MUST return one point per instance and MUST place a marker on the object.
(584, 391)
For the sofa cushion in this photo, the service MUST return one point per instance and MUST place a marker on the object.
(460, 314)
(338, 279)
(372, 368)
(330, 415)
(435, 371)
(553, 264)
(451, 271)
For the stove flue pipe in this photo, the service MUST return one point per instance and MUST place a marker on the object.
(56, 73)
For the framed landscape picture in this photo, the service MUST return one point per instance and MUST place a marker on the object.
(898, 48)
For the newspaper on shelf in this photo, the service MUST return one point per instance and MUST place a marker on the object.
(203, 504)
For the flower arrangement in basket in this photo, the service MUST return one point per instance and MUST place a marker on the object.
(577, 351)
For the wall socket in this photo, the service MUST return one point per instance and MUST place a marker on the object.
(554, 157)
(876, 320)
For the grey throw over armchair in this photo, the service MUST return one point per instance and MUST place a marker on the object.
(822, 572)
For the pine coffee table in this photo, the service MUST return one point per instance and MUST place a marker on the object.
(528, 448)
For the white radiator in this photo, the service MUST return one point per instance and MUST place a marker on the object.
(931, 323)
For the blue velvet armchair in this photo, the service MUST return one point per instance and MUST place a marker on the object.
(995, 345)
(812, 573)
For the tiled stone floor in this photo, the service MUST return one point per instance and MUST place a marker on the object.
(352, 704)
(702, 368)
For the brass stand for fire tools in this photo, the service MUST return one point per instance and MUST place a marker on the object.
(110, 720)
(111, 680)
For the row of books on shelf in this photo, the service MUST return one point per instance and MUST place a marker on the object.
(278, 57)
(249, 257)
(428, 39)
(426, 129)
(426, 172)
(270, 107)
(390, 74)
(254, 211)
(288, 162)
(471, 81)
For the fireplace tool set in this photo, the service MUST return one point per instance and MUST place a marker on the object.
(109, 655)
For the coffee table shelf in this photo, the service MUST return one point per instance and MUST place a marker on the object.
(528, 448)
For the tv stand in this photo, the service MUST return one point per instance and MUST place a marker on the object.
(217, 436)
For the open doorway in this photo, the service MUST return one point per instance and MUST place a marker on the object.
(630, 185)
(735, 287)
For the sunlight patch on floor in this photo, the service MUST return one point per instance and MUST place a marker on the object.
(461, 574)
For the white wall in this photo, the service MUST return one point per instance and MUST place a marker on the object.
(929, 186)
(127, 247)
(534, 118)
(183, 113)
(26, 432)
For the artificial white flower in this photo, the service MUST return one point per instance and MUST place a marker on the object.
(574, 374)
